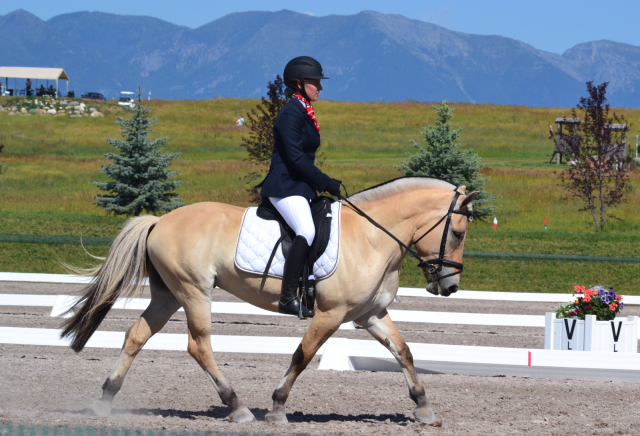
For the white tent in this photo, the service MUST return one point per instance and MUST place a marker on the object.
(34, 73)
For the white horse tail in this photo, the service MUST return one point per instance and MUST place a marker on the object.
(120, 275)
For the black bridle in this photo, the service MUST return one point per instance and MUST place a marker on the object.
(433, 266)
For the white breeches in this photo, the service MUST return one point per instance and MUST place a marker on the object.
(296, 212)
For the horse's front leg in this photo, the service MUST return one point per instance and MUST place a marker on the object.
(322, 327)
(382, 328)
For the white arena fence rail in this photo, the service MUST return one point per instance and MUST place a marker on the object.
(159, 341)
(350, 354)
(343, 354)
(402, 292)
(60, 303)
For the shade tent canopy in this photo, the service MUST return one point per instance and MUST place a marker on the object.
(35, 73)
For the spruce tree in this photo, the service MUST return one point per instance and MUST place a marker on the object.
(442, 158)
(140, 171)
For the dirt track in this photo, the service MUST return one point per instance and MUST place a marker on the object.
(164, 389)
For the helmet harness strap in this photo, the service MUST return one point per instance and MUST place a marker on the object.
(302, 91)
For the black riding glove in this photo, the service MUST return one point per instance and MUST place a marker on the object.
(333, 187)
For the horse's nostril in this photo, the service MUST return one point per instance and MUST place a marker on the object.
(453, 289)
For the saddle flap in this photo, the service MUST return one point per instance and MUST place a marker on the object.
(260, 239)
(320, 208)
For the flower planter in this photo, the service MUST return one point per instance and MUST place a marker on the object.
(617, 336)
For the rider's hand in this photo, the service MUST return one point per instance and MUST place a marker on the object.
(333, 187)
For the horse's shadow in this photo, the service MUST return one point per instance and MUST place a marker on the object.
(221, 412)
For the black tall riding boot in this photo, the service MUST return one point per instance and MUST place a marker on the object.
(293, 266)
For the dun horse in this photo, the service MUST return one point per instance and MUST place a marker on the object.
(190, 250)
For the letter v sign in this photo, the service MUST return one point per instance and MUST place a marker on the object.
(569, 332)
(616, 335)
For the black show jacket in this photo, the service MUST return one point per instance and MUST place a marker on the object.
(293, 170)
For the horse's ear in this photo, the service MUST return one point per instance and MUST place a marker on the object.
(469, 198)
(461, 189)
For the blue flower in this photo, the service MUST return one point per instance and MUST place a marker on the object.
(601, 291)
(612, 294)
(621, 305)
(605, 299)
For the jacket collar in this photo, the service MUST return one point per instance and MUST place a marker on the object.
(294, 101)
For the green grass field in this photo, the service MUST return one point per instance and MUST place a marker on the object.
(50, 162)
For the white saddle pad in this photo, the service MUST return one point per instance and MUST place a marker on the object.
(257, 238)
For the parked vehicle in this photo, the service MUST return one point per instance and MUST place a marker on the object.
(127, 99)
(94, 96)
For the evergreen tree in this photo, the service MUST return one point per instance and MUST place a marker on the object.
(139, 173)
(442, 158)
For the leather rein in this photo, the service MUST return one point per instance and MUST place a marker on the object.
(433, 266)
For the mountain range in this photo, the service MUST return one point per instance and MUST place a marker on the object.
(368, 56)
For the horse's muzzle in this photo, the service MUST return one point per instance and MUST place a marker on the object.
(450, 290)
(435, 289)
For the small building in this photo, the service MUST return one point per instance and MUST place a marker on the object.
(568, 133)
(618, 150)
(35, 74)
(566, 127)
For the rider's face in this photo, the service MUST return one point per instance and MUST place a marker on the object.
(312, 87)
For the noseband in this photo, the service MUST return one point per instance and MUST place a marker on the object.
(433, 266)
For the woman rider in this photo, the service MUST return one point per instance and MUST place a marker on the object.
(293, 178)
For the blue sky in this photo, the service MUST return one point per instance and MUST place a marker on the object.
(548, 25)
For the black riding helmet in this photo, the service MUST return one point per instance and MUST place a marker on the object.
(301, 68)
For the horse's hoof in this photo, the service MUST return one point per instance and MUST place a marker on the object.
(101, 408)
(241, 415)
(426, 415)
(276, 418)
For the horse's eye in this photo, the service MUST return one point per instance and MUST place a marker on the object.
(457, 235)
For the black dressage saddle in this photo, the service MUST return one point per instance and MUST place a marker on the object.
(321, 213)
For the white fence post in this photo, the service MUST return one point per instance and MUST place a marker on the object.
(589, 330)
(549, 317)
(335, 355)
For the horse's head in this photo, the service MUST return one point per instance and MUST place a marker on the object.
(441, 248)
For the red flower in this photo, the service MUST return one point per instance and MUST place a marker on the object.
(578, 289)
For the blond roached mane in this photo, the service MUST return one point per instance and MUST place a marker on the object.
(397, 185)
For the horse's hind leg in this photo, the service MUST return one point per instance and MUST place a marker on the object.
(198, 310)
(323, 325)
(382, 328)
(163, 305)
